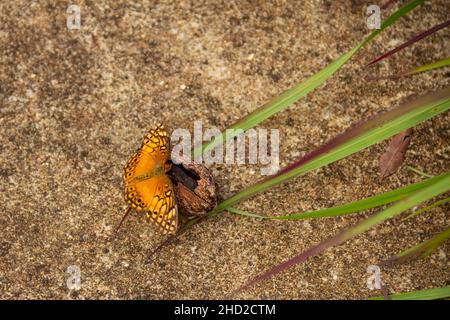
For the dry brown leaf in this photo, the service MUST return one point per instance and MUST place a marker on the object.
(394, 156)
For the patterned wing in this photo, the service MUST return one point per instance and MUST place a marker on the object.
(137, 192)
(156, 144)
(147, 187)
(162, 209)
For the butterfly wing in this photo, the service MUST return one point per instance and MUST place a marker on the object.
(147, 187)
(162, 209)
(137, 191)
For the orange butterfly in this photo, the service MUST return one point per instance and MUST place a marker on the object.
(147, 185)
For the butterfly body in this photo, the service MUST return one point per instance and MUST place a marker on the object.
(148, 188)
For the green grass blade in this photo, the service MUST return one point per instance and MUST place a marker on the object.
(427, 294)
(353, 207)
(425, 209)
(427, 67)
(423, 174)
(248, 214)
(357, 138)
(393, 18)
(438, 187)
(419, 250)
(431, 66)
(290, 96)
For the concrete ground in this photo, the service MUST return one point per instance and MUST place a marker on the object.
(75, 104)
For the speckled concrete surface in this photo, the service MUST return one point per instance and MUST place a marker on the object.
(74, 105)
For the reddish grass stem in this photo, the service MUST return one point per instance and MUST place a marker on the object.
(410, 42)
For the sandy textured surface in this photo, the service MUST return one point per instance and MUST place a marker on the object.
(75, 104)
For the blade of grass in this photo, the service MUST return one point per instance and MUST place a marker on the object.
(353, 140)
(426, 67)
(420, 250)
(438, 187)
(431, 66)
(425, 209)
(427, 294)
(348, 208)
(414, 39)
(423, 174)
(290, 96)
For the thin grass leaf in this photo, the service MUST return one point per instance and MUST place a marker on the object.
(427, 294)
(427, 67)
(243, 213)
(438, 187)
(349, 208)
(411, 41)
(351, 141)
(425, 209)
(431, 66)
(420, 250)
(290, 96)
(423, 174)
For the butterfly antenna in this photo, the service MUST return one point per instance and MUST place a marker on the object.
(123, 219)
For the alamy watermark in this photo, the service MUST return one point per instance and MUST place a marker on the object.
(229, 148)
(374, 280)
(73, 282)
(374, 19)
(73, 17)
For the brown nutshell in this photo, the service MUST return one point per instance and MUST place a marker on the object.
(194, 186)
